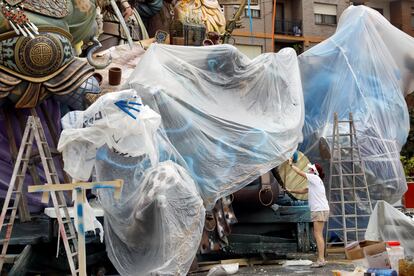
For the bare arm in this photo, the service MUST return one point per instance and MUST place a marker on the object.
(296, 169)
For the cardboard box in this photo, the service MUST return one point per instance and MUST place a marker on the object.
(377, 256)
(370, 254)
(355, 250)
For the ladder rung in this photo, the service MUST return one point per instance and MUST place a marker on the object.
(347, 229)
(64, 221)
(349, 188)
(74, 254)
(7, 224)
(348, 216)
(347, 161)
(20, 175)
(349, 201)
(62, 206)
(71, 237)
(341, 134)
(16, 192)
(345, 121)
(348, 174)
(11, 208)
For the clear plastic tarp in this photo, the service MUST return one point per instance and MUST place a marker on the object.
(389, 224)
(230, 118)
(365, 68)
(156, 226)
(225, 120)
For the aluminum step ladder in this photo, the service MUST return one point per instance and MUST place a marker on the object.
(34, 133)
(348, 193)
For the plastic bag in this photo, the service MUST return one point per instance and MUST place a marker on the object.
(111, 120)
(389, 224)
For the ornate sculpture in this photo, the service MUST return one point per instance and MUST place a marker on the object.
(207, 12)
(37, 42)
(112, 33)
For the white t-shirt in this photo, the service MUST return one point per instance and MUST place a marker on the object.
(316, 193)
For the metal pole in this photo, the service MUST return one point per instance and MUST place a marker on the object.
(273, 25)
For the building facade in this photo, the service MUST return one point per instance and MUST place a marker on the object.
(399, 12)
(303, 23)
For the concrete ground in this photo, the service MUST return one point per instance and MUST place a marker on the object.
(334, 263)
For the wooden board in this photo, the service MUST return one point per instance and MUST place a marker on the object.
(291, 179)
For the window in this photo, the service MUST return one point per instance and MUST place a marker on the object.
(255, 10)
(324, 14)
(255, 13)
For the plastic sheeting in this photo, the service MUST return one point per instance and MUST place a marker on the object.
(364, 68)
(104, 123)
(230, 118)
(225, 120)
(389, 224)
(156, 226)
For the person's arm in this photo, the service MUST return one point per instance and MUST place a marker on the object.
(299, 191)
(296, 169)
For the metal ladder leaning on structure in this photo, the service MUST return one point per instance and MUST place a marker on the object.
(34, 132)
(348, 193)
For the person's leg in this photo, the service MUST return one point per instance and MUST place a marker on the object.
(320, 243)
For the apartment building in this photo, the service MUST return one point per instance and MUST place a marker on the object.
(299, 24)
(399, 12)
(303, 23)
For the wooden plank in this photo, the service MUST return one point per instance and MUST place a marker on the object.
(115, 184)
(80, 198)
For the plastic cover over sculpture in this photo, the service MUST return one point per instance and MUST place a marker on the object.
(156, 226)
(364, 68)
(389, 224)
(230, 118)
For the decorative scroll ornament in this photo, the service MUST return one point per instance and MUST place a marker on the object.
(18, 20)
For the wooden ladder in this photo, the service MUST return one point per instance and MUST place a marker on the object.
(34, 133)
(348, 193)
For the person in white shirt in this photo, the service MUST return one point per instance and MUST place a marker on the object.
(318, 204)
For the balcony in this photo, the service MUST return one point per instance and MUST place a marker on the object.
(286, 27)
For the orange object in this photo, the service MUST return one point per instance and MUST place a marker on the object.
(273, 26)
(409, 196)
